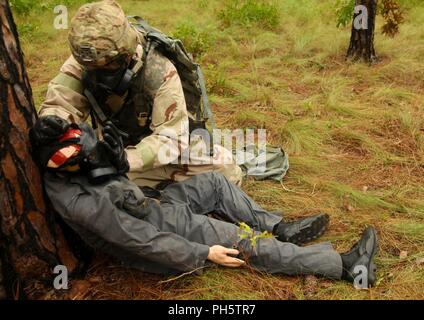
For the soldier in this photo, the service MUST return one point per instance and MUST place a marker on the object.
(144, 99)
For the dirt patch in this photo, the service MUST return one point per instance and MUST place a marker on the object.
(349, 145)
(399, 140)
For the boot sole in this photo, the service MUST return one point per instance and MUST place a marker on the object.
(315, 230)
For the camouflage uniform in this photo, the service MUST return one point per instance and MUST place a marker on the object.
(104, 24)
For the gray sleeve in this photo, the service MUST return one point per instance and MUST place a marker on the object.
(99, 210)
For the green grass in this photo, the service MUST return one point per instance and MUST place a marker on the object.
(250, 13)
(196, 40)
(354, 133)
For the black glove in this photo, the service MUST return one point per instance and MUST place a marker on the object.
(48, 129)
(114, 147)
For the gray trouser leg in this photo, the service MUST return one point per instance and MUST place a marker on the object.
(273, 256)
(212, 192)
(269, 255)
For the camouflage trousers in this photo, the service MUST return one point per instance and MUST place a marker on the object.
(181, 172)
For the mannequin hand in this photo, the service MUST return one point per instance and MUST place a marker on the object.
(222, 256)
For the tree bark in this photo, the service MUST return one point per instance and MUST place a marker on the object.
(31, 241)
(362, 40)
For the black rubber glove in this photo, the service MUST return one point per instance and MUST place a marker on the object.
(114, 146)
(48, 129)
(94, 157)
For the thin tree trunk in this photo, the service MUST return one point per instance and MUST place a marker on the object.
(31, 242)
(362, 40)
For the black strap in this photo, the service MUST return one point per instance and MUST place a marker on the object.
(146, 51)
(93, 119)
(95, 107)
(207, 112)
(100, 172)
(99, 114)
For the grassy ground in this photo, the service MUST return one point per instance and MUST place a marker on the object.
(354, 133)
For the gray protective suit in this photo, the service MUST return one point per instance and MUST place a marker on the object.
(174, 236)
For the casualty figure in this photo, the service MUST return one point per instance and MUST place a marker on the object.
(173, 232)
(117, 72)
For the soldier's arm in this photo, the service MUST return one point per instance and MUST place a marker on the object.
(64, 97)
(169, 117)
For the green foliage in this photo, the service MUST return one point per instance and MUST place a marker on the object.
(248, 233)
(27, 29)
(196, 40)
(248, 12)
(216, 80)
(344, 12)
(22, 6)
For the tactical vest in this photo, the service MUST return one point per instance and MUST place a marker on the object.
(134, 118)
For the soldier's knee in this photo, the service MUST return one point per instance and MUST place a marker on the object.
(232, 173)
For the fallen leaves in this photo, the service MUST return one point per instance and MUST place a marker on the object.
(79, 289)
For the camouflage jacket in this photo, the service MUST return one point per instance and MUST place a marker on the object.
(169, 125)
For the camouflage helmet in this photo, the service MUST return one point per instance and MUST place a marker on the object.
(101, 33)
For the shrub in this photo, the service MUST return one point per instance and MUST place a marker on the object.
(197, 41)
(27, 29)
(249, 12)
(216, 80)
(22, 7)
(344, 12)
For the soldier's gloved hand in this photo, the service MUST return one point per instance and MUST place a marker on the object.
(114, 146)
(48, 129)
(94, 157)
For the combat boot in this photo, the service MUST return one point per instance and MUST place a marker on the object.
(361, 255)
(302, 231)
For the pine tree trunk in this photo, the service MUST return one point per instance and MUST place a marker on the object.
(362, 40)
(31, 241)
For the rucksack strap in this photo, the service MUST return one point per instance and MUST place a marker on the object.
(146, 50)
(142, 23)
(98, 113)
(207, 112)
(156, 35)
